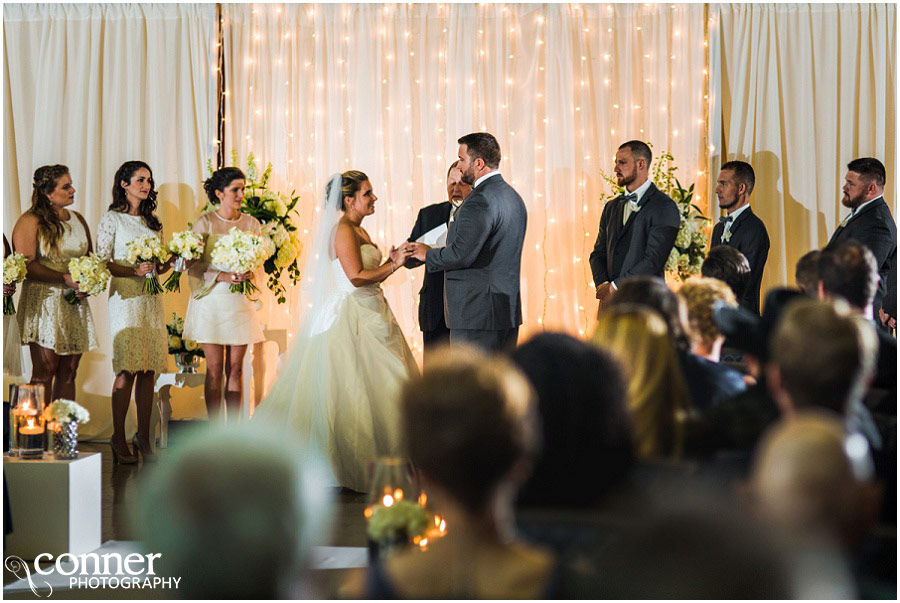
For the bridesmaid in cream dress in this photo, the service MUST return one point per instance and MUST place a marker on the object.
(49, 235)
(338, 390)
(12, 345)
(225, 323)
(136, 322)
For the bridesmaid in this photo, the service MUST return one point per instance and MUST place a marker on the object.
(223, 322)
(136, 322)
(49, 235)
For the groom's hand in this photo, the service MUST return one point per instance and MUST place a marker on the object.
(604, 291)
(419, 251)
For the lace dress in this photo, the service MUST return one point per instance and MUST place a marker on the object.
(136, 320)
(214, 313)
(45, 317)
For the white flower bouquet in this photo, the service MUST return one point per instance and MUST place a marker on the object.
(65, 411)
(239, 252)
(91, 274)
(13, 272)
(185, 245)
(147, 248)
(403, 520)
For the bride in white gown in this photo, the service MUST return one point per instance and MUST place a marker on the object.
(338, 390)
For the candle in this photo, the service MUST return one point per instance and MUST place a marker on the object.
(30, 436)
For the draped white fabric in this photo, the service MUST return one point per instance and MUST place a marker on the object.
(805, 89)
(92, 86)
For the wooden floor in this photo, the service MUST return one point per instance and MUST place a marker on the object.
(119, 495)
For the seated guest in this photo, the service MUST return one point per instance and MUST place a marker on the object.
(639, 339)
(715, 381)
(729, 266)
(807, 273)
(470, 429)
(240, 511)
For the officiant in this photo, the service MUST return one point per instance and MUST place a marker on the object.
(432, 222)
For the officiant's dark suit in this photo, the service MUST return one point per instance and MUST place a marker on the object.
(750, 237)
(431, 295)
(642, 244)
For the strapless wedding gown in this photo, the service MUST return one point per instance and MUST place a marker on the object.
(338, 391)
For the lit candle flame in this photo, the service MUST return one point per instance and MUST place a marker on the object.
(423, 499)
(398, 494)
(388, 500)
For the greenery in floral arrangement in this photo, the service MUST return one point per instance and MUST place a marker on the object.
(177, 343)
(403, 520)
(273, 210)
(66, 411)
(689, 252)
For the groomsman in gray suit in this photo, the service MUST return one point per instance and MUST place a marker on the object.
(483, 257)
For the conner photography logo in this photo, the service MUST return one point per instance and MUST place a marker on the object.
(90, 571)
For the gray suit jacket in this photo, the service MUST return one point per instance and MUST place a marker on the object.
(483, 259)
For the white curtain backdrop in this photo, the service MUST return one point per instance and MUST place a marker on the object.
(805, 89)
(92, 86)
(388, 89)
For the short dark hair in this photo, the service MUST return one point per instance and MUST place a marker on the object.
(728, 265)
(639, 150)
(652, 292)
(849, 271)
(807, 273)
(452, 165)
(743, 174)
(870, 169)
(583, 405)
(484, 145)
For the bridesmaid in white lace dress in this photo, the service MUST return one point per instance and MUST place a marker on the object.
(49, 235)
(136, 322)
(224, 322)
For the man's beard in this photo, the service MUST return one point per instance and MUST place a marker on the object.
(726, 205)
(625, 180)
(851, 202)
(469, 177)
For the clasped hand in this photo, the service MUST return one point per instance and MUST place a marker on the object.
(399, 255)
(234, 277)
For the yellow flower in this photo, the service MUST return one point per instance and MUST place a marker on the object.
(190, 345)
(174, 342)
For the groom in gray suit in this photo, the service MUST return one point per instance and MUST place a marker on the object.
(483, 256)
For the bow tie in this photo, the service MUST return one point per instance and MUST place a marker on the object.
(631, 199)
(725, 220)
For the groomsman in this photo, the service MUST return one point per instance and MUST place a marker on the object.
(637, 229)
(869, 221)
(740, 227)
(431, 296)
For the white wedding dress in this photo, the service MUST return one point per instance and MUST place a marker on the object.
(338, 391)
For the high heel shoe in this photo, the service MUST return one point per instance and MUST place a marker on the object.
(124, 459)
(148, 457)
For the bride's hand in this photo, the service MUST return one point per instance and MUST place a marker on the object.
(398, 255)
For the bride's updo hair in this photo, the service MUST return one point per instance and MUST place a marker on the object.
(351, 182)
(219, 180)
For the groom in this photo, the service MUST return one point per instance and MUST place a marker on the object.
(483, 255)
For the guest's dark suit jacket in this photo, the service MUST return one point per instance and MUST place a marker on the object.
(431, 296)
(483, 259)
(639, 247)
(873, 227)
(750, 237)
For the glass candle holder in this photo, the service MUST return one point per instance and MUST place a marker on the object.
(27, 424)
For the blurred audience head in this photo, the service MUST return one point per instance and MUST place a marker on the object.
(470, 425)
(582, 400)
(699, 295)
(729, 266)
(238, 507)
(807, 273)
(813, 480)
(652, 293)
(821, 355)
(849, 272)
(639, 339)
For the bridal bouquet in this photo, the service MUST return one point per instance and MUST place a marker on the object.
(240, 252)
(91, 274)
(13, 272)
(147, 248)
(185, 245)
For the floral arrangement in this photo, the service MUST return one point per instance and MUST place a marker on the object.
(240, 251)
(13, 272)
(689, 251)
(147, 248)
(91, 274)
(273, 210)
(177, 343)
(66, 411)
(403, 520)
(185, 245)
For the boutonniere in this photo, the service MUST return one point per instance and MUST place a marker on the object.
(726, 236)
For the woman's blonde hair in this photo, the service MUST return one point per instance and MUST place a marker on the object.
(50, 227)
(351, 182)
(700, 294)
(639, 339)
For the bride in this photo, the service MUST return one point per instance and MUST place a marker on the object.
(338, 390)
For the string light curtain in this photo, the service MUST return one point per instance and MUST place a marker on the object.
(805, 89)
(92, 86)
(388, 89)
